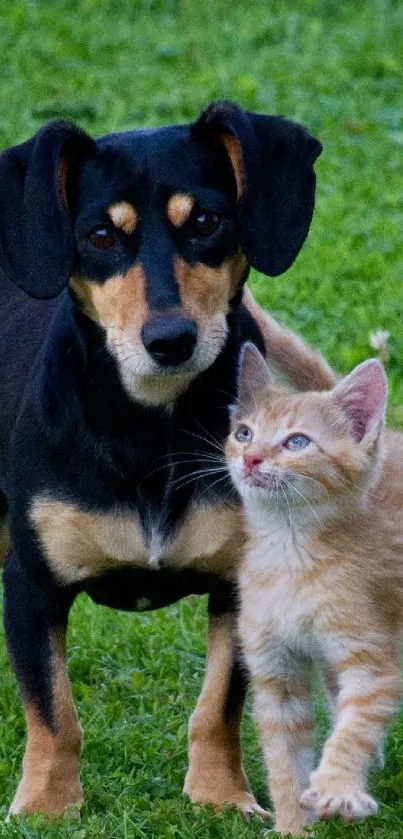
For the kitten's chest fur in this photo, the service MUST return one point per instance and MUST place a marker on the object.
(287, 593)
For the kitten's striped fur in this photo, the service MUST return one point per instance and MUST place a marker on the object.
(322, 582)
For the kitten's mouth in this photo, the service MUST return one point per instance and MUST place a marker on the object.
(267, 480)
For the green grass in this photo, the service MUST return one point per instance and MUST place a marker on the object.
(337, 67)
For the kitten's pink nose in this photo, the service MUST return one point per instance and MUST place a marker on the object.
(251, 461)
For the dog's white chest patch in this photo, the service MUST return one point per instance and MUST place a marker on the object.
(156, 548)
(80, 544)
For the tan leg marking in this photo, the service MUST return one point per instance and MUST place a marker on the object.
(123, 216)
(4, 542)
(50, 780)
(215, 775)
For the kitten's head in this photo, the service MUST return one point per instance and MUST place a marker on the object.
(298, 450)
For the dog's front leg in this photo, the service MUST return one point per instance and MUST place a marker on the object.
(35, 623)
(215, 774)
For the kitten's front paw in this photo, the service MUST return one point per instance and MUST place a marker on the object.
(329, 797)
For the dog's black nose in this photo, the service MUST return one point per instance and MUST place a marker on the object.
(169, 339)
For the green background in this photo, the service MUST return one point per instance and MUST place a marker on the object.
(338, 68)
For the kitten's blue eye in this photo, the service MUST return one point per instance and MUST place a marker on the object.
(296, 442)
(243, 434)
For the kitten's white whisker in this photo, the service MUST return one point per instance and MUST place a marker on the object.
(211, 442)
(286, 499)
(312, 509)
(209, 435)
(190, 453)
(172, 465)
(314, 481)
(354, 488)
(208, 488)
(184, 480)
(197, 472)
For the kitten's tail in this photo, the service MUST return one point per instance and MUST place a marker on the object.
(289, 354)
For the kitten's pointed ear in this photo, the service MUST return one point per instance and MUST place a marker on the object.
(363, 395)
(253, 377)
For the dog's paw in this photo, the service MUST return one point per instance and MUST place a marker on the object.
(226, 792)
(248, 806)
(51, 799)
(244, 801)
(329, 797)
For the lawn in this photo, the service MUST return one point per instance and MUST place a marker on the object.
(338, 68)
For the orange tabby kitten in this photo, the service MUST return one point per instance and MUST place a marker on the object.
(322, 581)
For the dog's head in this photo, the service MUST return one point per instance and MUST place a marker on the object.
(154, 231)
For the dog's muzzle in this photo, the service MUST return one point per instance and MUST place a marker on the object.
(169, 339)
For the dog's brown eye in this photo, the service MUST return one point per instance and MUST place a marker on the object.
(207, 223)
(102, 238)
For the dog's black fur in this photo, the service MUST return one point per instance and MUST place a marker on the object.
(71, 428)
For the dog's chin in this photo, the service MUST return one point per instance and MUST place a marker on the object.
(159, 386)
(159, 390)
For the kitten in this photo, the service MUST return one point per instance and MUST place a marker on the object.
(321, 585)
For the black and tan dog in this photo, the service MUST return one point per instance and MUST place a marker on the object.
(116, 374)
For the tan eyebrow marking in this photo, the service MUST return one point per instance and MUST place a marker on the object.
(123, 216)
(179, 208)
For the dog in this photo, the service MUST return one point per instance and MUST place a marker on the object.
(123, 262)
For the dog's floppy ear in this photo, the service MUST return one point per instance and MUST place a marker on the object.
(36, 235)
(272, 160)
